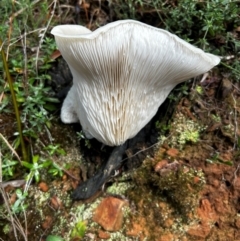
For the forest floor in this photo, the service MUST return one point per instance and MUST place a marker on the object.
(182, 183)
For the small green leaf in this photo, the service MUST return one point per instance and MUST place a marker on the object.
(51, 99)
(35, 158)
(27, 164)
(19, 193)
(79, 230)
(50, 107)
(37, 176)
(20, 99)
(54, 238)
(47, 163)
(61, 151)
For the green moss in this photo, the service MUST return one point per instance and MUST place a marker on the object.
(61, 224)
(118, 236)
(6, 228)
(119, 188)
(180, 186)
(166, 199)
(185, 130)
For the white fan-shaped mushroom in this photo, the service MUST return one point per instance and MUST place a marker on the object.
(122, 73)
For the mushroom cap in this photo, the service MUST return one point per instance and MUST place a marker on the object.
(122, 73)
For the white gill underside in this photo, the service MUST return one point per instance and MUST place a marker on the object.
(123, 75)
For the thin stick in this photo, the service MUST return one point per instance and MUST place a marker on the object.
(10, 147)
(9, 210)
(236, 123)
(19, 124)
(1, 179)
(2, 94)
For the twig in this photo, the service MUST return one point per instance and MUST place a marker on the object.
(13, 183)
(227, 57)
(1, 167)
(15, 222)
(48, 134)
(235, 174)
(157, 143)
(204, 77)
(2, 94)
(66, 6)
(66, 172)
(28, 182)
(15, 105)
(25, 72)
(236, 123)
(10, 147)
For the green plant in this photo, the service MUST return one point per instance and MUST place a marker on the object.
(8, 167)
(233, 69)
(54, 238)
(212, 16)
(81, 136)
(199, 89)
(54, 149)
(28, 58)
(19, 205)
(55, 169)
(28, 69)
(78, 225)
(6, 228)
(217, 159)
(34, 167)
(39, 163)
(79, 230)
(216, 118)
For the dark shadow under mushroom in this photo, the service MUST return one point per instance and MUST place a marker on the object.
(88, 188)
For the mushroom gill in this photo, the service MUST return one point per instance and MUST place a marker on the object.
(122, 73)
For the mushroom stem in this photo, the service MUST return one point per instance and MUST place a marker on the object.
(88, 188)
